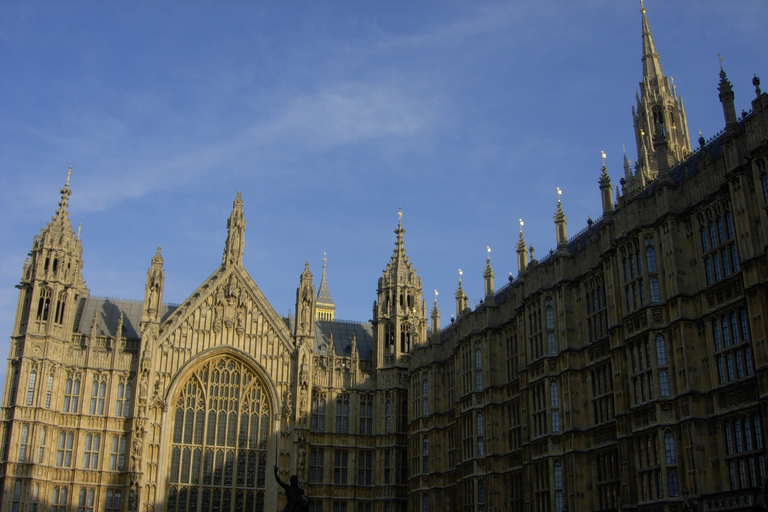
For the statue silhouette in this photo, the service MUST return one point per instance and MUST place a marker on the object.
(297, 500)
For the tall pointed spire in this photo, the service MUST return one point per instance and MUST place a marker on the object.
(435, 317)
(651, 62)
(399, 243)
(522, 253)
(488, 275)
(233, 249)
(62, 213)
(325, 305)
(461, 298)
(560, 225)
(658, 108)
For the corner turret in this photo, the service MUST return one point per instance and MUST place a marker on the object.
(52, 280)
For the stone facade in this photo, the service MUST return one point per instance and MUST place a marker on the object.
(627, 370)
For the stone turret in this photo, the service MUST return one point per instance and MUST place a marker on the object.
(400, 317)
(52, 279)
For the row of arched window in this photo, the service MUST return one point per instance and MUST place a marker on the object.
(365, 420)
(71, 395)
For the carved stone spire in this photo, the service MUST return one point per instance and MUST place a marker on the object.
(435, 317)
(153, 289)
(488, 276)
(522, 253)
(726, 98)
(326, 307)
(233, 249)
(560, 224)
(305, 304)
(461, 298)
(606, 189)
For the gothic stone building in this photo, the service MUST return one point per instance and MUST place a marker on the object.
(628, 370)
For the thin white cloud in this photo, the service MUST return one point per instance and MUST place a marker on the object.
(348, 113)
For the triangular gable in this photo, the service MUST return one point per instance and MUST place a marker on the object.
(227, 309)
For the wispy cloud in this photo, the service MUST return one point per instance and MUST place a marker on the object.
(348, 113)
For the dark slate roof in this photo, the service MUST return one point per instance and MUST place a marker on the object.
(342, 337)
(108, 316)
(323, 294)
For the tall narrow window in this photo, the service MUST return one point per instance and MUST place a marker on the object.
(23, 443)
(554, 402)
(31, 387)
(41, 448)
(35, 497)
(317, 422)
(71, 393)
(340, 466)
(117, 453)
(478, 368)
(650, 254)
(316, 464)
(64, 450)
(425, 454)
(366, 415)
(98, 392)
(718, 244)
(91, 451)
(733, 350)
(342, 414)
(480, 431)
(550, 323)
(122, 404)
(59, 499)
(425, 396)
(671, 462)
(60, 306)
(44, 304)
(364, 467)
(49, 392)
(113, 500)
(16, 498)
(388, 417)
(654, 284)
(85, 504)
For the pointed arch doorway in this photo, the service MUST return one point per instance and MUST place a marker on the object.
(222, 425)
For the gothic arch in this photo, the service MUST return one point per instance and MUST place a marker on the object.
(222, 423)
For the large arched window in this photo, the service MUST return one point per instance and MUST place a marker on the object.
(222, 421)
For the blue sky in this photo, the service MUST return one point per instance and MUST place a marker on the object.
(328, 116)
